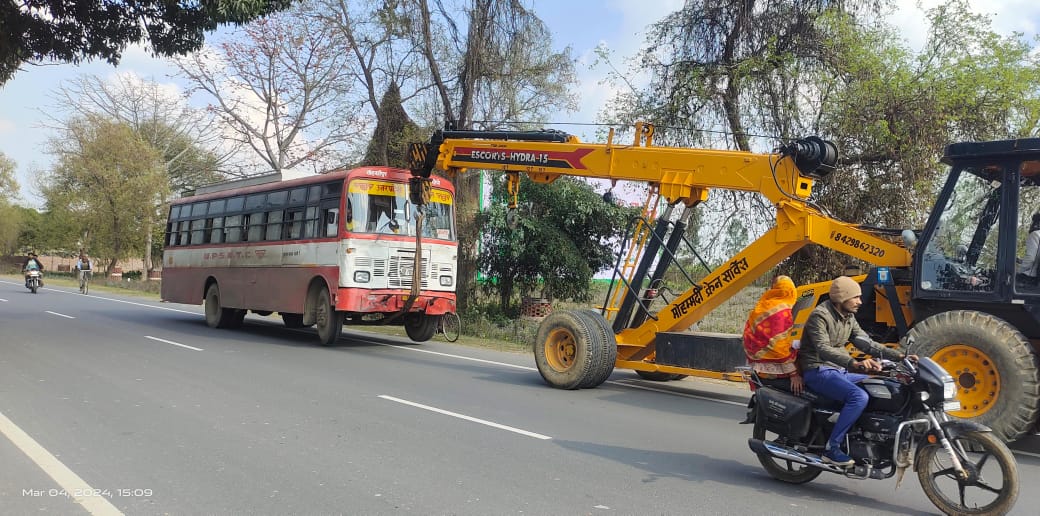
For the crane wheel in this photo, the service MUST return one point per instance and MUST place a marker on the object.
(608, 348)
(996, 370)
(568, 349)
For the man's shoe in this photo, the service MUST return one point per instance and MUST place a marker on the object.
(838, 458)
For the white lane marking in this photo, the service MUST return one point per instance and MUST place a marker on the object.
(59, 315)
(467, 418)
(666, 391)
(3, 300)
(69, 481)
(460, 357)
(94, 296)
(172, 342)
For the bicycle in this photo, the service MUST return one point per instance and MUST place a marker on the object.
(450, 325)
(84, 281)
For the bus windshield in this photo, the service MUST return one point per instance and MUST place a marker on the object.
(383, 207)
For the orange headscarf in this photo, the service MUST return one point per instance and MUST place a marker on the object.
(767, 334)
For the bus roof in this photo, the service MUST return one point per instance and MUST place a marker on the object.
(268, 182)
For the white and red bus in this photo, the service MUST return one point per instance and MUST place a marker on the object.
(320, 250)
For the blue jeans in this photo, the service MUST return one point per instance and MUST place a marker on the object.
(839, 385)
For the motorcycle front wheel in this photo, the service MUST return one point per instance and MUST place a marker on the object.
(783, 470)
(992, 483)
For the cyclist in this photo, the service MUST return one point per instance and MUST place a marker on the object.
(32, 263)
(85, 267)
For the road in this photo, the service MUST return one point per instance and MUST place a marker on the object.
(112, 404)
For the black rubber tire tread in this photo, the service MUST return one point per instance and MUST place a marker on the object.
(1015, 411)
(217, 316)
(982, 441)
(329, 332)
(769, 463)
(604, 349)
(584, 363)
(237, 316)
(420, 327)
(451, 326)
(292, 320)
(656, 376)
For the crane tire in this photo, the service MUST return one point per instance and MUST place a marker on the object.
(606, 353)
(566, 350)
(994, 365)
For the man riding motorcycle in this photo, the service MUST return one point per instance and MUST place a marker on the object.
(32, 263)
(825, 363)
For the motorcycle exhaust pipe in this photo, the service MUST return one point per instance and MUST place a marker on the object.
(761, 447)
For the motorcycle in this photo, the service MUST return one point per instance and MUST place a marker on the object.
(33, 281)
(962, 467)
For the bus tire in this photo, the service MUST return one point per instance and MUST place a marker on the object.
(216, 315)
(292, 320)
(328, 321)
(565, 350)
(998, 381)
(606, 352)
(420, 327)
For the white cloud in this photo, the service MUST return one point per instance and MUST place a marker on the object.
(6, 126)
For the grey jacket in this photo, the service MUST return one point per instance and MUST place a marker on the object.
(824, 337)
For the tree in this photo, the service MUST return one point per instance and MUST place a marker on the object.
(542, 251)
(282, 89)
(35, 31)
(185, 137)
(796, 67)
(394, 131)
(9, 215)
(107, 178)
(501, 71)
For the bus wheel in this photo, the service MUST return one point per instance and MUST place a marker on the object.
(566, 350)
(217, 316)
(292, 320)
(329, 322)
(420, 327)
(998, 383)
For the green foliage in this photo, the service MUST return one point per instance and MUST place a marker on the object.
(107, 180)
(565, 233)
(394, 131)
(59, 30)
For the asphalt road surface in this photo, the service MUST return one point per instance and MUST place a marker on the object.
(112, 404)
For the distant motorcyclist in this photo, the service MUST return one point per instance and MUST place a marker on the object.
(84, 268)
(825, 363)
(32, 263)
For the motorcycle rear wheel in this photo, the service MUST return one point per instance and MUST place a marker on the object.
(783, 470)
(993, 475)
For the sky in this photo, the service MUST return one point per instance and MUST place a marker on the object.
(583, 25)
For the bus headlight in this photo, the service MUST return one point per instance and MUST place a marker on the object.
(446, 281)
(362, 276)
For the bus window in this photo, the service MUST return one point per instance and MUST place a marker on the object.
(276, 199)
(215, 230)
(294, 223)
(255, 202)
(331, 190)
(233, 228)
(198, 209)
(197, 230)
(255, 227)
(310, 224)
(274, 225)
(216, 207)
(330, 216)
(314, 193)
(175, 212)
(235, 204)
(298, 196)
